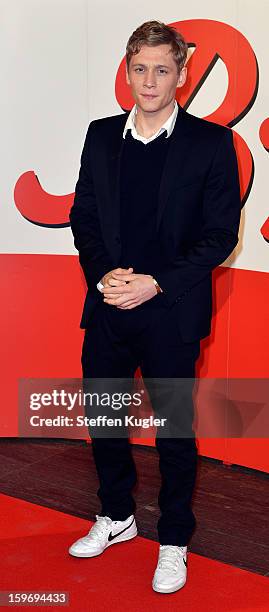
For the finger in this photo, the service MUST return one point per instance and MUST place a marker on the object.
(117, 300)
(124, 276)
(133, 305)
(113, 282)
(122, 270)
(128, 300)
(119, 286)
(116, 291)
(127, 304)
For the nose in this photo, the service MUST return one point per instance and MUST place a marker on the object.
(149, 80)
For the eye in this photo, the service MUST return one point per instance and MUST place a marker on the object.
(138, 69)
(163, 71)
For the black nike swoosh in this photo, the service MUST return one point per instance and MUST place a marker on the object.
(112, 537)
(184, 561)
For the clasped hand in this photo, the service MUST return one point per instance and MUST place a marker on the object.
(125, 289)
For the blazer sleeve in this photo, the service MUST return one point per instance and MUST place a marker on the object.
(219, 233)
(85, 223)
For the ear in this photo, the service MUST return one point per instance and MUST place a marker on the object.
(182, 77)
(127, 76)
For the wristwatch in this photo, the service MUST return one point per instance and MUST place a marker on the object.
(159, 290)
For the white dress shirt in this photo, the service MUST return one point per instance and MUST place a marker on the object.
(130, 125)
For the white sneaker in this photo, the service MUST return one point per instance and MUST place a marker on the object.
(171, 572)
(102, 534)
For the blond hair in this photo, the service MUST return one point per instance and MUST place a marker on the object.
(153, 33)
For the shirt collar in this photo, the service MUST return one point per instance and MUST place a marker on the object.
(168, 125)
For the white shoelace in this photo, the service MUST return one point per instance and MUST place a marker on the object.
(99, 529)
(169, 557)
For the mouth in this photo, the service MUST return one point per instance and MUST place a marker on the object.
(148, 96)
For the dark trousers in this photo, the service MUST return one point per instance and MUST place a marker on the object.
(115, 344)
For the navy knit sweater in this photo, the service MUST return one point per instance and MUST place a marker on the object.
(140, 176)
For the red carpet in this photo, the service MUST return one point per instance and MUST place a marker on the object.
(34, 543)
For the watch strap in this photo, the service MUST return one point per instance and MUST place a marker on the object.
(159, 290)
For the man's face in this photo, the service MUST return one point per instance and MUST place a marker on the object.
(153, 77)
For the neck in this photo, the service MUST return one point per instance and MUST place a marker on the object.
(148, 123)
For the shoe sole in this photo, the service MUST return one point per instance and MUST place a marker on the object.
(169, 589)
(88, 555)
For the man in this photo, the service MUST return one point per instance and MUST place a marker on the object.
(156, 209)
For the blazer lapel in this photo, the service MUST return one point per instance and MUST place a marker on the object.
(109, 185)
(114, 163)
(175, 160)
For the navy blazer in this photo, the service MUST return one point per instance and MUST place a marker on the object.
(197, 219)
